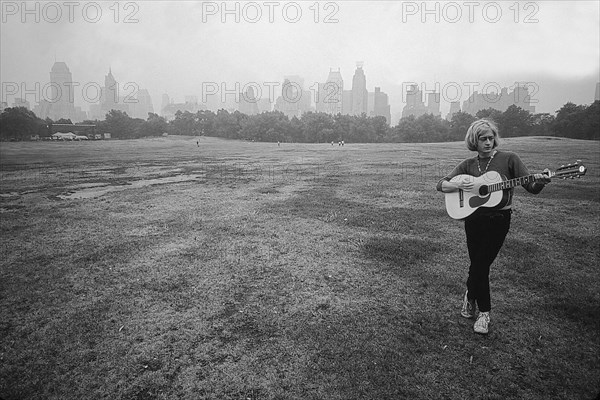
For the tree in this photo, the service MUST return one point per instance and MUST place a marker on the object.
(19, 123)
(542, 124)
(432, 128)
(591, 121)
(407, 130)
(341, 126)
(269, 126)
(489, 113)
(459, 124)
(568, 121)
(515, 122)
(228, 125)
(120, 125)
(578, 121)
(206, 122)
(155, 125)
(381, 129)
(314, 124)
(185, 123)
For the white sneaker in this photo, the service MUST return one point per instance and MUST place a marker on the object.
(468, 307)
(481, 325)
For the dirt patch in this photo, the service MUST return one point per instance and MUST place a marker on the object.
(97, 190)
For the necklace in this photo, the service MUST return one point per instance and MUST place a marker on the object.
(488, 163)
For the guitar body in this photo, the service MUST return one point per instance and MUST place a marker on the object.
(461, 204)
(492, 191)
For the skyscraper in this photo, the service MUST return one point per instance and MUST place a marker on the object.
(142, 105)
(109, 98)
(454, 108)
(62, 102)
(433, 104)
(499, 101)
(165, 101)
(381, 105)
(294, 100)
(414, 102)
(360, 95)
(329, 99)
(248, 102)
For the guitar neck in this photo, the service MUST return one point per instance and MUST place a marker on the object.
(511, 183)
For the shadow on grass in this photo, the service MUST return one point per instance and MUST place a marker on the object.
(373, 352)
(321, 203)
(564, 285)
(403, 253)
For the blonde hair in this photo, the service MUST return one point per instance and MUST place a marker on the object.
(478, 128)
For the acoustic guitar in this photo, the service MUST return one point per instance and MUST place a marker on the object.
(490, 190)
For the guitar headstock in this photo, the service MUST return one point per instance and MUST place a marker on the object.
(575, 170)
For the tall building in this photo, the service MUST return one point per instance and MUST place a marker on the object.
(330, 95)
(294, 100)
(110, 92)
(371, 103)
(109, 97)
(381, 105)
(42, 109)
(62, 101)
(248, 102)
(414, 102)
(142, 105)
(433, 104)
(597, 96)
(347, 102)
(360, 96)
(264, 105)
(498, 101)
(165, 101)
(454, 108)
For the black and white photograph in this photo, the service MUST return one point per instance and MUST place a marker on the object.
(300, 200)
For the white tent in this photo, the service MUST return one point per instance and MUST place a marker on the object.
(64, 136)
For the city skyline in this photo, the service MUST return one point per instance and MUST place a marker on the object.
(329, 97)
(177, 48)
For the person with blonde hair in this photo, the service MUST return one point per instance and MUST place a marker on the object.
(486, 228)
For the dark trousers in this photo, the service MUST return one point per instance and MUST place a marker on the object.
(486, 231)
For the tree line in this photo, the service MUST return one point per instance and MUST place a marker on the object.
(571, 121)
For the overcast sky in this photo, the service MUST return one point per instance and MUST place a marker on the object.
(181, 47)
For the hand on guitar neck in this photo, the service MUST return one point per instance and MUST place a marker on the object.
(467, 183)
(466, 193)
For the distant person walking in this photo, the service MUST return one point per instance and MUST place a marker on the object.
(486, 228)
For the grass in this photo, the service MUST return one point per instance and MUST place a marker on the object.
(292, 272)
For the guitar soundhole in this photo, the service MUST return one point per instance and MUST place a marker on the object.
(483, 190)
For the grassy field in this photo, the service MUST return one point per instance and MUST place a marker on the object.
(159, 269)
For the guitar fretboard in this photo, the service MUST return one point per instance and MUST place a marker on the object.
(511, 183)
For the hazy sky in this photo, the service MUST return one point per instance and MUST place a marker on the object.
(181, 47)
